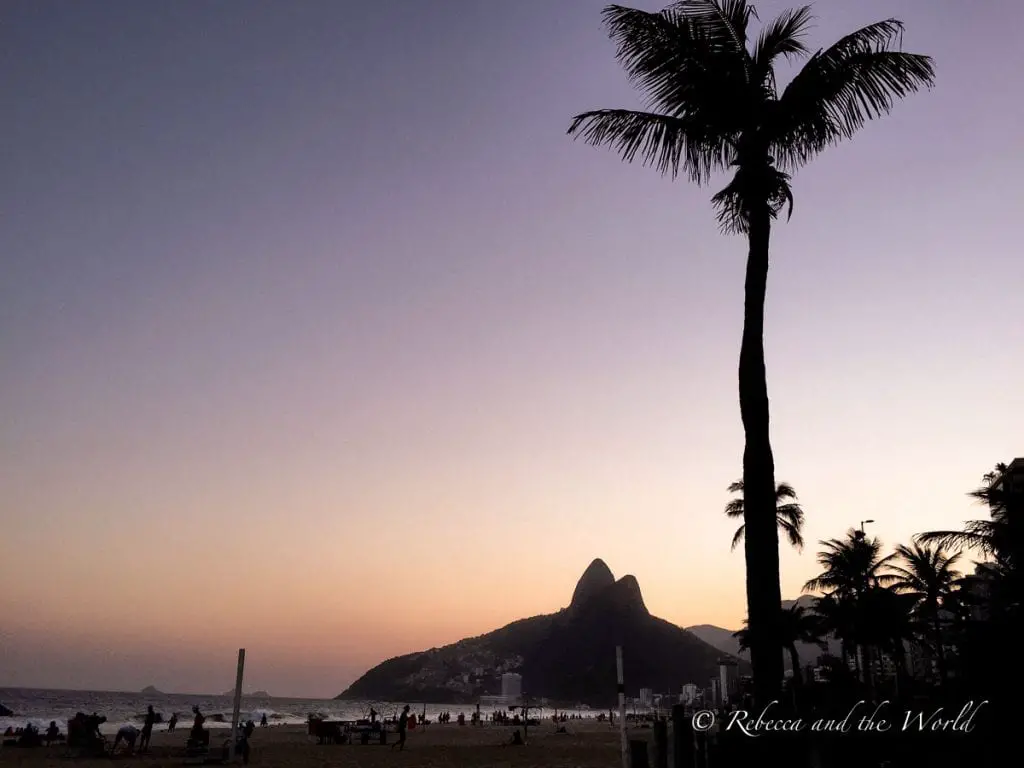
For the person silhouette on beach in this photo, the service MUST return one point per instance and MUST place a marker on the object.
(199, 735)
(127, 734)
(403, 724)
(172, 723)
(147, 729)
(263, 720)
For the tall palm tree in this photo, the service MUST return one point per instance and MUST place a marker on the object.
(927, 575)
(714, 105)
(789, 516)
(852, 568)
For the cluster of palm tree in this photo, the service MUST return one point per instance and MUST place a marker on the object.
(715, 105)
(880, 605)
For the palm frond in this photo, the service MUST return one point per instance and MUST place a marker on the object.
(885, 579)
(792, 513)
(958, 540)
(670, 144)
(782, 36)
(792, 532)
(724, 21)
(784, 491)
(817, 584)
(788, 517)
(682, 62)
(839, 89)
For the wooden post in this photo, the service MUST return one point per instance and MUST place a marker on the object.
(638, 756)
(622, 706)
(660, 743)
(700, 749)
(682, 738)
(526, 718)
(238, 704)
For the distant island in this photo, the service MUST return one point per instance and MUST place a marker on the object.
(150, 690)
(568, 656)
(253, 694)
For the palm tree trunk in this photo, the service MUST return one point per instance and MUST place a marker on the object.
(794, 659)
(940, 655)
(901, 667)
(868, 658)
(761, 539)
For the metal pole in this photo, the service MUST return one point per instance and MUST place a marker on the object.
(622, 707)
(238, 704)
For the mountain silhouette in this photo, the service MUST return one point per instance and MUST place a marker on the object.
(568, 656)
(597, 578)
(723, 639)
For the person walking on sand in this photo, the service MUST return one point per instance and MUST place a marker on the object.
(147, 729)
(403, 724)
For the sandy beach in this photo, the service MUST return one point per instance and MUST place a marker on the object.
(587, 744)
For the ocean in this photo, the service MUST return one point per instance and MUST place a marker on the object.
(40, 706)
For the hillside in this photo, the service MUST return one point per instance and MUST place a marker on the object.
(568, 656)
(723, 640)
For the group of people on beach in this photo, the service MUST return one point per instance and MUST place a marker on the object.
(83, 734)
(29, 736)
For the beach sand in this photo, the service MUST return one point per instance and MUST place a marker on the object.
(588, 744)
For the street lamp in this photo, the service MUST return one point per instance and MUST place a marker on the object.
(859, 533)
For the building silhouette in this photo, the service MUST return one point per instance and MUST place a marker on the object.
(511, 687)
(728, 681)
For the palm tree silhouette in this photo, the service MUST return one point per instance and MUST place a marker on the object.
(1000, 540)
(797, 626)
(884, 621)
(928, 576)
(714, 105)
(837, 618)
(852, 569)
(999, 537)
(851, 566)
(789, 516)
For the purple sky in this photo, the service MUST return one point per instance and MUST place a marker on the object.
(306, 300)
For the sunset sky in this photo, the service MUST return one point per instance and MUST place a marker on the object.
(320, 337)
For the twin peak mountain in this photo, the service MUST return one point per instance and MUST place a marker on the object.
(568, 656)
